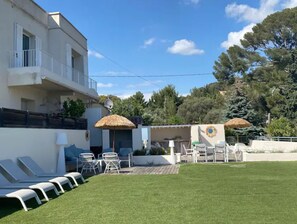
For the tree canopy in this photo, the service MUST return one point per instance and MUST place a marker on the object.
(266, 66)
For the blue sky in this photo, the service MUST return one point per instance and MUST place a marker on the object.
(162, 38)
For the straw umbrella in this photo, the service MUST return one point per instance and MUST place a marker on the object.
(114, 122)
(237, 123)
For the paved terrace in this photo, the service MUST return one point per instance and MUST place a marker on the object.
(149, 170)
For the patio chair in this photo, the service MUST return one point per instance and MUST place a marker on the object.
(202, 151)
(235, 151)
(36, 170)
(89, 163)
(43, 187)
(22, 195)
(189, 152)
(104, 151)
(220, 149)
(18, 175)
(126, 154)
(112, 161)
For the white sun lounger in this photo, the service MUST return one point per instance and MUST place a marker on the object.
(42, 186)
(36, 170)
(17, 174)
(22, 195)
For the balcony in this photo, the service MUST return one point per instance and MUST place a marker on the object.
(35, 67)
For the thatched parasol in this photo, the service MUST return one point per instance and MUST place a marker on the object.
(114, 122)
(237, 123)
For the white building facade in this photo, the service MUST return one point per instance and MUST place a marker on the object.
(43, 59)
(43, 62)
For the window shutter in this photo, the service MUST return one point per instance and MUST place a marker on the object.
(68, 61)
(86, 81)
(38, 44)
(18, 45)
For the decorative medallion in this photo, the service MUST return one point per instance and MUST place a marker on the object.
(211, 131)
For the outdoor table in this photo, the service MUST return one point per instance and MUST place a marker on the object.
(100, 162)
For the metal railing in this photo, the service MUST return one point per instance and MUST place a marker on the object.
(35, 57)
(11, 118)
(284, 139)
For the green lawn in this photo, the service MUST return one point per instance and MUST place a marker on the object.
(200, 193)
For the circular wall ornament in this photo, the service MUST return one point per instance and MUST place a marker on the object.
(211, 131)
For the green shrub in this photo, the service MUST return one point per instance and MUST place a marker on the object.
(157, 151)
(281, 127)
(74, 108)
(139, 152)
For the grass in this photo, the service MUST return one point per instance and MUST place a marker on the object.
(200, 193)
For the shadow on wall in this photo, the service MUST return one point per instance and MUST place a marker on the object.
(204, 140)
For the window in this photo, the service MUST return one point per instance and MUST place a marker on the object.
(26, 48)
(27, 104)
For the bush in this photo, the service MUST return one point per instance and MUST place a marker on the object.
(74, 108)
(157, 151)
(139, 152)
(281, 127)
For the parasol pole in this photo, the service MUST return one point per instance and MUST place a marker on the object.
(113, 141)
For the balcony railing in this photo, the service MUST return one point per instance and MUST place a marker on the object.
(34, 57)
(11, 118)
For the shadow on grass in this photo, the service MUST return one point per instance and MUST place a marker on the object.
(8, 206)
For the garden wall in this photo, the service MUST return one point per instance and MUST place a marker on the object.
(253, 157)
(154, 160)
(268, 146)
(38, 143)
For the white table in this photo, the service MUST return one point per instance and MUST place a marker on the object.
(100, 162)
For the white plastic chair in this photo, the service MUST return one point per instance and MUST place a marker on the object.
(189, 152)
(112, 161)
(220, 149)
(89, 163)
(234, 150)
(202, 150)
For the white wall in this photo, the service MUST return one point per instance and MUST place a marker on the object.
(37, 143)
(253, 157)
(198, 133)
(137, 138)
(273, 146)
(105, 139)
(93, 115)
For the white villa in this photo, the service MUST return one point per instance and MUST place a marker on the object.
(43, 59)
(43, 62)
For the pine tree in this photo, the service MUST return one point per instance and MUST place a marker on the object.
(238, 105)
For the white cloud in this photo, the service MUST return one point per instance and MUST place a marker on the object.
(114, 73)
(148, 42)
(95, 54)
(144, 84)
(234, 37)
(194, 2)
(290, 4)
(184, 47)
(249, 14)
(146, 96)
(104, 85)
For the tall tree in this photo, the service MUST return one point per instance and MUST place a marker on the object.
(267, 61)
(163, 105)
(238, 106)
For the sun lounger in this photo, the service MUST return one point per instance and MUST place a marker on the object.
(36, 170)
(17, 174)
(42, 186)
(22, 195)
